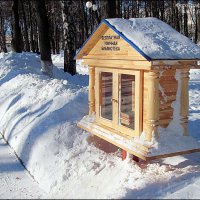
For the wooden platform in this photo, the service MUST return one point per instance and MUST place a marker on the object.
(125, 142)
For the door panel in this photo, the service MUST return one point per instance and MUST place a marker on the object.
(106, 88)
(127, 101)
(103, 96)
(117, 99)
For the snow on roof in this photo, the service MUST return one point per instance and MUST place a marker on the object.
(155, 38)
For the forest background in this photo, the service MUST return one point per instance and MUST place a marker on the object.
(47, 27)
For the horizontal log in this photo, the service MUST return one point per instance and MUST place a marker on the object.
(173, 154)
(94, 126)
(125, 64)
(174, 62)
(108, 56)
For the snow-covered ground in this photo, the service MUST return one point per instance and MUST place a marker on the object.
(15, 182)
(38, 118)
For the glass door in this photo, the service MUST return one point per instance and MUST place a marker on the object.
(117, 95)
(104, 96)
(127, 101)
(106, 88)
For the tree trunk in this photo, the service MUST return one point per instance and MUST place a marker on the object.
(27, 45)
(118, 13)
(17, 39)
(68, 11)
(44, 38)
(112, 8)
(57, 40)
(2, 34)
(108, 8)
(95, 12)
(155, 11)
(32, 46)
(196, 26)
(177, 21)
(185, 16)
(162, 9)
(146, 9)
(85, 23)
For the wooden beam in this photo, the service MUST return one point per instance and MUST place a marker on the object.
(153, 104)
(122, 64)
(113, 57)
(127, 137)
(173, 154)
(141, 96)
(91, 96)
(184, 100)
(173, 62)
(162, 67)
(143, 155)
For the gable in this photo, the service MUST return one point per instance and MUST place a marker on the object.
(112, 46)
(107, 43)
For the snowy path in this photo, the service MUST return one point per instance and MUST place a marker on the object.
(15, 182)
(191, 191)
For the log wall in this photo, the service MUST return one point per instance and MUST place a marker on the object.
(168, 86)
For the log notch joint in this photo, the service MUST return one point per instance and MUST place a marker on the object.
(91, 97)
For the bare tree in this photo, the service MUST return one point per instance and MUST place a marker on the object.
(68, 14)
(69, 30)
(44, 38)
(17, 39)
(26, 40)
(2, 30)
(185, 23)
(109, 9)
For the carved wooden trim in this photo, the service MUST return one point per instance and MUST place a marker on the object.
(153, 104)
(184, 101)
(91, 96)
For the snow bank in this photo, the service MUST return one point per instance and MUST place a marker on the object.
(156, 39)
(81, 69)
(59, 60)
(38, 118)
(39, 115)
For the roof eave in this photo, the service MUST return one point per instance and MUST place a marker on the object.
(190, 59)
(75, 57)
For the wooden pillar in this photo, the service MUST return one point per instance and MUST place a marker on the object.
(91, 96)
(152, 77)
(184, 100)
